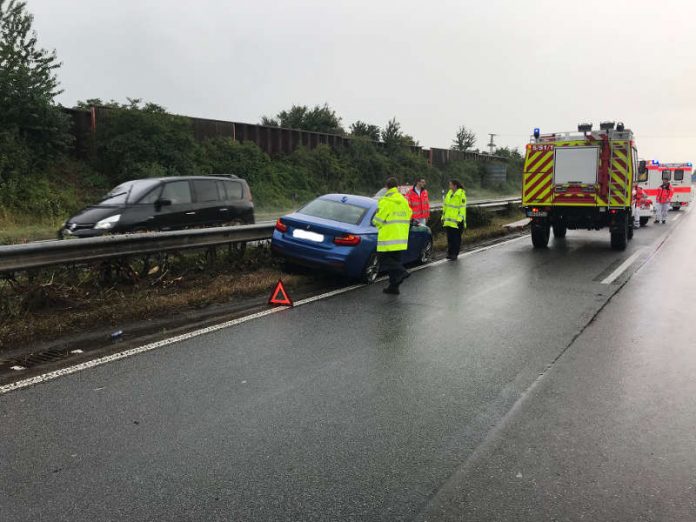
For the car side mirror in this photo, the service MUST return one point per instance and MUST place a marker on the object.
(162, 203)
(641, 167)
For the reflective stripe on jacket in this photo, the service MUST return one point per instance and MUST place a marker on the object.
(454, 209)
(664, 195)
(393, 221)
(420, 205)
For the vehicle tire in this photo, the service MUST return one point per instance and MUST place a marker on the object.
(678, 207)
(619, 237)
(426, 252)
(644, 221)
(540, 235)
(559, 230)
(371, 270)
(629, 232)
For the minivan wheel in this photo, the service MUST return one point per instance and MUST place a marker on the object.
(371, 270)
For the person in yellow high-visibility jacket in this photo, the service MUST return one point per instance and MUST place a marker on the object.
(393, 222)
(454, 217)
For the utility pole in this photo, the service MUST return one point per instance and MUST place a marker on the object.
(491, 145)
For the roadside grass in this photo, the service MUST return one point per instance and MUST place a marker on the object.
(476, 235)
(64, 301)
(24, 229)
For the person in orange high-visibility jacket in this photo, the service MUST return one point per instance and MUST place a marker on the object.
(663, 200)
(417, 199)
(393, 222)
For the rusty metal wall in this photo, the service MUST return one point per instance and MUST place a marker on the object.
(272, 140)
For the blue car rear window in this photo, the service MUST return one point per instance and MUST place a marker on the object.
(334, 210)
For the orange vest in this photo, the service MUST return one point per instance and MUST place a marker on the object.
(420, 206)
(664, 195)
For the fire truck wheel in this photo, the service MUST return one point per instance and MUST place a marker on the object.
(559, 230)
(540, 235)
(619, 237)
(644, 221)
(629, 234)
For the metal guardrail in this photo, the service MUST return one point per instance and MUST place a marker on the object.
(40, 254)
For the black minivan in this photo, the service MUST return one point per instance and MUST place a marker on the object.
(165, 204)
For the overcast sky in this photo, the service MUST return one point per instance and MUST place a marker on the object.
(500, 66)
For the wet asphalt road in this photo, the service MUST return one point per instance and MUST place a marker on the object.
(505, 386)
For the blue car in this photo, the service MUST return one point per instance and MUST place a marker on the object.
(335, 232)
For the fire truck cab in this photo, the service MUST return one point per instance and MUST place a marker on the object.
(678, 174)
(581, 180)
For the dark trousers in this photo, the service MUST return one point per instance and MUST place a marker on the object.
(391, 262)
(454, 241)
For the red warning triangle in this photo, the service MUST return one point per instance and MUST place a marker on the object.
(280, 296)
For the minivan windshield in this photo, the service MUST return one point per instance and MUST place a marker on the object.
(334, 210)
(128, 192)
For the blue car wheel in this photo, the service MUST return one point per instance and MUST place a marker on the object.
(371, 270)
(426, 252)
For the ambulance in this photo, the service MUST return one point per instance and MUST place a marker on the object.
(581, 180)
(678, 174)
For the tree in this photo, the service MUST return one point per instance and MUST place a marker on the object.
(464, 140)
(394, 138)
(320, 118)
(269, 122)
(367, 130)
(391, 135)
(28, 85)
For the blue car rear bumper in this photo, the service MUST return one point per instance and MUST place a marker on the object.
(347, 260)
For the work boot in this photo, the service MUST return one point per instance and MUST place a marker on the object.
(657, 221)
(392, 290)
(663, 221)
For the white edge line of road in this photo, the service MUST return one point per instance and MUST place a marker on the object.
(196, 333)
(622, 267)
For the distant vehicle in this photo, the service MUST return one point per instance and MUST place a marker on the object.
(165, 204)
(581, 180)
(335, 232)
(679, 176)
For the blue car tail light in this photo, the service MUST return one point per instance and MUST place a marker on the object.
(347, 240)
(280, 226)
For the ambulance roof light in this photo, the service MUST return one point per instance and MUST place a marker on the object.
(537, 133)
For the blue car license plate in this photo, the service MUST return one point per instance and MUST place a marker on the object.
(309, 236)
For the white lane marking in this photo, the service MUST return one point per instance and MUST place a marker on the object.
(622, 268)
(470, 252)
(196, 333)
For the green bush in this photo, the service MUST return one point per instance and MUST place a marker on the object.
(132, 142)
(478, 217)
